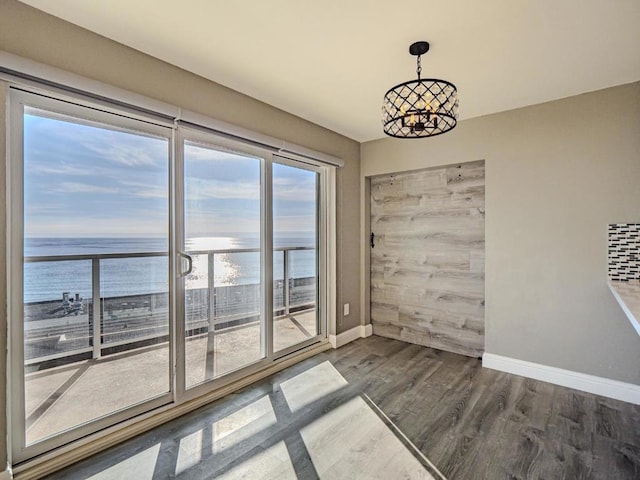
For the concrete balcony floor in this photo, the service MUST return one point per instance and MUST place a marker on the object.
(67, 396)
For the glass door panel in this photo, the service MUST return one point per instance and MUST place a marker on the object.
(95, 313)
(295, 255)
(224, 328)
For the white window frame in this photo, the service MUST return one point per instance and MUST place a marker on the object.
(216, 142)
(18, 100)
(79, 107)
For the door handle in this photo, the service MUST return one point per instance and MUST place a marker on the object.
(189, 260)
(372, 239)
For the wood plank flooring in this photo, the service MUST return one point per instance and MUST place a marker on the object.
(469, 422)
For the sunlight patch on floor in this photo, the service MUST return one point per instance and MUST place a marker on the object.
(227, 432)
(352, 440)
(138, 467)
(270, 464)
(312, 385)
(243, 424)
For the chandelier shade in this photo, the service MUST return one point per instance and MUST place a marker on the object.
(424, 107)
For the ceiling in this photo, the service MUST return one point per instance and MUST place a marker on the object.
(331, 61)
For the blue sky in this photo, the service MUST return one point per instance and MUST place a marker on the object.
(84, 181)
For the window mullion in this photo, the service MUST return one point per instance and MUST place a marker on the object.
(267, 255)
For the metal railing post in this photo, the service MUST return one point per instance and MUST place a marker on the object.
(211, 357)
(97, 307)
(211, 283)
(286, 281)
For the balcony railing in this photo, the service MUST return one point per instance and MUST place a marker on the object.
(55, 329)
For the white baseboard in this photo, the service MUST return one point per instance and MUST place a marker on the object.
(360, 331)
(366, 330)
(627, 392)
(6, 475)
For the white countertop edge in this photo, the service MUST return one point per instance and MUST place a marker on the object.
(633, 317)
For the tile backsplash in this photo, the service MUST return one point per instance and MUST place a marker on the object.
(624, 251)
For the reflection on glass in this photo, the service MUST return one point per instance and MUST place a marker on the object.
(295, 256)
(223, 303)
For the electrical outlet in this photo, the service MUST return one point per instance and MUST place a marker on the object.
(346, 309)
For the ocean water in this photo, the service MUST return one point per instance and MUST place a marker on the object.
(45, 281)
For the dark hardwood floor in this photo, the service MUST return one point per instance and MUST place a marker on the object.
(470, 422)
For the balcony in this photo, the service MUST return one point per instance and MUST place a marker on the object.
(112, 354)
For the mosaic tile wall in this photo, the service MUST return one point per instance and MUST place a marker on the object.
(624, 251)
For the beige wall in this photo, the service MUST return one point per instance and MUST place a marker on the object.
(35, 35)
(556, 175)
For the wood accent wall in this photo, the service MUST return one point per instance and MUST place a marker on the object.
(427, 266)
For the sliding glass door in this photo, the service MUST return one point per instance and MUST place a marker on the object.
(251, 255)
(150, 264)
(92, 289)
(223, 285)
(296, 233)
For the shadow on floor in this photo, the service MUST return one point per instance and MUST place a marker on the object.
(305, 422)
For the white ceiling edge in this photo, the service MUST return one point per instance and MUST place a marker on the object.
(330, 62)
